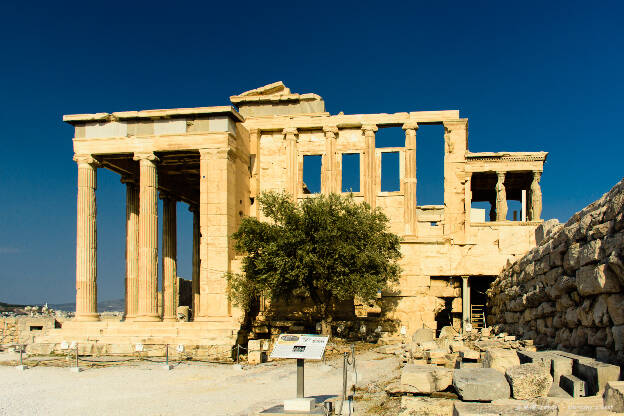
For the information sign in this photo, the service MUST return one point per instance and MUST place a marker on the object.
(301, 346)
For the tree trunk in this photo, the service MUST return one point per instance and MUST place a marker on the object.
(326, 326)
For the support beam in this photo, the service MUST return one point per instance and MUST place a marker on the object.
(86, 240)
(132, 247)
(411, 222)
(169, 263)
(148, 238)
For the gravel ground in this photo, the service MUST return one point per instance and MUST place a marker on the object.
(144, 388)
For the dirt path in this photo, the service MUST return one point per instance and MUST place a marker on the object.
(189, 389)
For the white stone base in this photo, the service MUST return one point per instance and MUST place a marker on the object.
(21, 367)
(75, 369)
(299, 405)
(167, 367)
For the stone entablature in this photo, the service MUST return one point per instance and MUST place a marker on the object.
(219, 159)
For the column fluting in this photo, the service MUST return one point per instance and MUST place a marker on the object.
(169, 267)
(86, 240)
(148, 238)
(132, 248)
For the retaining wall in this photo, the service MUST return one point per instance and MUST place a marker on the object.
(567, 292)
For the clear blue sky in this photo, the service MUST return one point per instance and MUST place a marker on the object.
(544, 75)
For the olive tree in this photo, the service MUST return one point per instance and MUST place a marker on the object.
(328, 247)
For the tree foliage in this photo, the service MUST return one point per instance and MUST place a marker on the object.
(328, 247)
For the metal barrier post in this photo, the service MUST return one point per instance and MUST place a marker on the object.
(76, 369)
(21, 366)
(167, 366)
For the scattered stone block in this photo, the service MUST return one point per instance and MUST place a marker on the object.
(529, 381)
(500, 359)
(429, 345)
(573, 385)
(613, 397)
(557, 391)
(502, 409)
(467, 364)
(596, 374)
(425, 379)
(468, 354)
(447, 332)
(480, 384)
(426, 406)
(254, 357)
(423, 335)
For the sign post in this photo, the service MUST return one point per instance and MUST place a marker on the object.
(300, 347)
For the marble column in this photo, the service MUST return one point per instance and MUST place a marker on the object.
(292, 165)
(329, 179)
(465, 301)
(132, 247)
(148, 238)
(501, 197)
(411, 224)
(536, 197)
(195, 273)
(370, 170)
(86, 240)
(169, 262)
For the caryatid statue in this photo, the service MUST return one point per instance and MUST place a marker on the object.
(536, 197)
(501, 198)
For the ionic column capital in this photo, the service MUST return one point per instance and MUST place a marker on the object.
(410, 125)
(369, 128)
(254, 131)
(145, 156)
(86, 159)
(501, 175)
(290, 132)
(537, 174)
(330, 131)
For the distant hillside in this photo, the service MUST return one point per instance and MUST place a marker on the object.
(117, 305)
(7, 307)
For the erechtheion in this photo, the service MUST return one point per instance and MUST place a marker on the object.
(216, 160)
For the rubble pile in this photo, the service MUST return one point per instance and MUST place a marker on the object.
(566, 293)
(480, 373)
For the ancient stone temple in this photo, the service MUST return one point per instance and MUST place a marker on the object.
(214, 161)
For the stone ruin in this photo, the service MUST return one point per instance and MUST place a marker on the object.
(478, 373)
(566, 293)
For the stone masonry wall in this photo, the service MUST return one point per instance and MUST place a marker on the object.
(567, 292)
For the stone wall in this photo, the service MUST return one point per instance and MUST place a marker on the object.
(23, 329)
(567, 292)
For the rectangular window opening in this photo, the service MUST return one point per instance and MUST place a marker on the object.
(430, 164)
(312, 174)
(350, 172)
(390, 137)
(390, 175)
